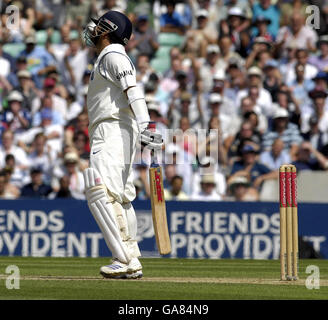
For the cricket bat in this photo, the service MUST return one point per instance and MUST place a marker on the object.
(158, 203)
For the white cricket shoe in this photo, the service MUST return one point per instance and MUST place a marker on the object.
(120, 270)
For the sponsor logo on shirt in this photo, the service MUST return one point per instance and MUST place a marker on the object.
(124, 74)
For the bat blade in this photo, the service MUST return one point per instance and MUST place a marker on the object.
(159, 210)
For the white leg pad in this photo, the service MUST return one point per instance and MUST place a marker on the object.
(101, 207)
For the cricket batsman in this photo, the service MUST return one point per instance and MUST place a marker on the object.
(118, 119)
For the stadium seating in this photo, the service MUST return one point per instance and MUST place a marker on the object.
(270, 190)
(13, 48)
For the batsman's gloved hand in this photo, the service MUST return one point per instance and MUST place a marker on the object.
(151, 139)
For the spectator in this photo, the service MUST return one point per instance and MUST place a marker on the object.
(171, 21)
(234, 27)
(240, 190)
(297, 33)
(71, 169)
(73, 65)
(261, 24)
(314, 135)
(144, 40)
(37, 188)
(18, 177)
(42, 156)
(64, 191)
(207, 190)
(321, 61)
(208, 166)
(39, 60)
(310, 71)
(288, 132)
(175, 192)
(17, 118)
(7, 189)
(287, 100)
(317, 108)
(250, 168)
(309, 158)
(246, 134)
(265, 8)
(276, 157)
(256, 91)
(8, 147)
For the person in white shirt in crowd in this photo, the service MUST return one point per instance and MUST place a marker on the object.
(175, 155)
(208, 166)
(73, 65)
(70, 168)
(8, 147)
(42, 156)
(228, 106)
(302, 58)
(262, 97)
(18, 177)
(317, 108)
(227, 123)
(297, 33)
(211, 65)
(275, 157)
(207, 190)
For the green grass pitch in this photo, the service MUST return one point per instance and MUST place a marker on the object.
(166, 279)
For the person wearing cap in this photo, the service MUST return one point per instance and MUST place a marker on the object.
(144, 39)
(317, 108)
(261, 24)
(284, 129)
(171, 21)
(210, 66)
(240, 190)
(175, 192)
(321, 60)
(273, 78)
(250, 167)
(72, 170)
(207, 190)
(214, 110)
(266, 9)
(298, 33)
(262, 97)
(286, 99)
(235, 26)
(198, 38)
(17, 118)
(39, 60)
(228, 105)
(36, 188)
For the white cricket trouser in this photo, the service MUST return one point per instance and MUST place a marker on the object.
(113, 147)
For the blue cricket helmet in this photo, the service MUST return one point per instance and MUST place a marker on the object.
(116, 24)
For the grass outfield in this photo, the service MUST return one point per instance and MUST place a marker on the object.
(167, 279)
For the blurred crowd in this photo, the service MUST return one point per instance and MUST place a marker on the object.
(245, 91)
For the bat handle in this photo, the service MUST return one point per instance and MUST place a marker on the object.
(154, 162)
